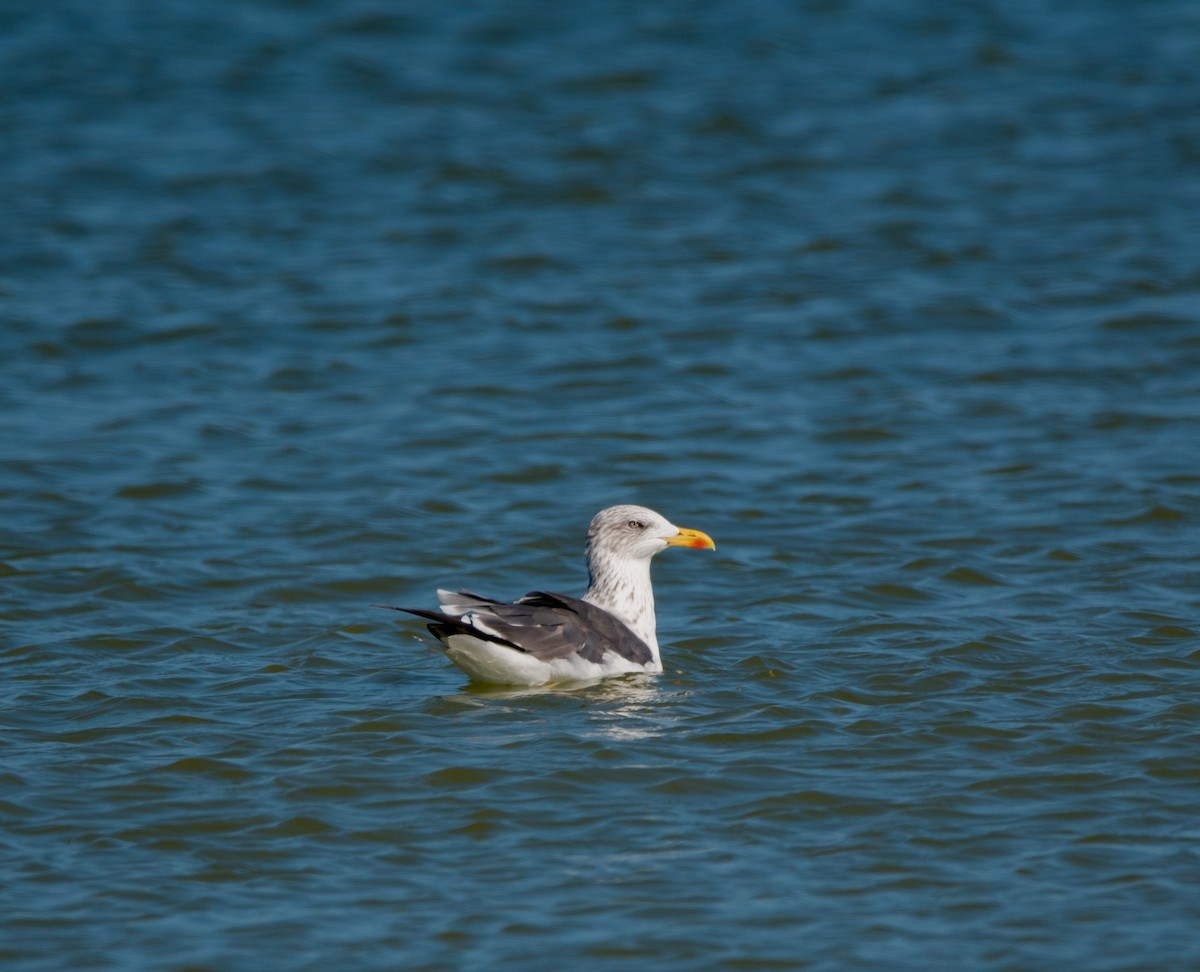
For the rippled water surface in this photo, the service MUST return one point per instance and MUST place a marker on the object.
(313, 306)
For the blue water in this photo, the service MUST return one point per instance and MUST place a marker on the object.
(306, 307)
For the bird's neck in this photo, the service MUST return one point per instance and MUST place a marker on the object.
(622, 587)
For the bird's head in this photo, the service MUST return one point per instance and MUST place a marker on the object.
(637, 533)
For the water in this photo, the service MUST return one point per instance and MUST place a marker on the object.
(311, 306)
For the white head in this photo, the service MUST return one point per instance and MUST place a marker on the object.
(637, 533)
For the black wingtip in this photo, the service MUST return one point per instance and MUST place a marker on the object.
(428, 615)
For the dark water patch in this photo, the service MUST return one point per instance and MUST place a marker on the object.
(970, 576)
(206, 767)
(157, 491)
(1165, 634)
(894, 592)
(1148, 321)
(1155, 515)
(460, 776)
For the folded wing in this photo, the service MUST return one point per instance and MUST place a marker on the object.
(542, 624)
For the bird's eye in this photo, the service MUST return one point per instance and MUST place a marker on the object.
(636, 525)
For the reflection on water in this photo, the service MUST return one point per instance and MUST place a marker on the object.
(587, 691)
(625, 708)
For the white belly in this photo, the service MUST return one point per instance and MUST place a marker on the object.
(495, 664)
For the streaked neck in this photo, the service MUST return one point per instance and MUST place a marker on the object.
(622, 587)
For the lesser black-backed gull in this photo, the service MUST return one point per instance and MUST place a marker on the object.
(544, 638)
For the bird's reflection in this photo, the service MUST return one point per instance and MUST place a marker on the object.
(631, 687)
(618, 709)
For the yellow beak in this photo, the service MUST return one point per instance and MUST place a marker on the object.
(691, 538)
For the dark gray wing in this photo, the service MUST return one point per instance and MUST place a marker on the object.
(542, 624)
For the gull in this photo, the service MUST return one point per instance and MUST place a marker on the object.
(544, 638)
